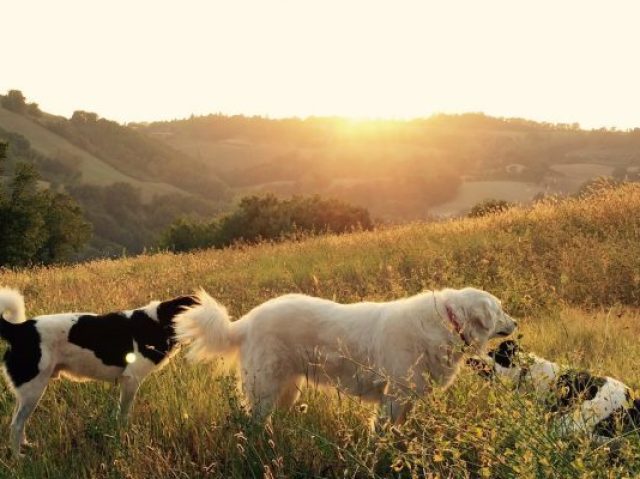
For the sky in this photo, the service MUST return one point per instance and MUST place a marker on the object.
(140, 60)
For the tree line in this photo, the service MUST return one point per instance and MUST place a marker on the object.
(267, 218)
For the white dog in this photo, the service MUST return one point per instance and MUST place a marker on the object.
(371, 350)
(124, 346)
(601, 406)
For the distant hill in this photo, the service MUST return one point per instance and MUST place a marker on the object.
(92, 169)
(403, 169)
(133, 180)
(130, 185)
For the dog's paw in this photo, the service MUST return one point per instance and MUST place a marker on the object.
(28, 445)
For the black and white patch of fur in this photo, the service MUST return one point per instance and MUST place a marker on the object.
(602, 406)
(125, 346)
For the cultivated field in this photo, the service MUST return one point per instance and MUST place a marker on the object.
(473, 192)
(570, 271)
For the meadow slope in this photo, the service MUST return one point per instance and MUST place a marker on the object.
(570, 270)
(94, 170)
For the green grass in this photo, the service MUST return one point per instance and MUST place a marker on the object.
(569, 271)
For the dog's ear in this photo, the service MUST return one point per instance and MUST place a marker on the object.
(483, 314)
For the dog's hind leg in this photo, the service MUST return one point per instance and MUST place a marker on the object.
(289, 395)
(265, 392)
(128, 388)
(28, 395)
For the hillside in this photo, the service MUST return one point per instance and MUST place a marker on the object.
(134, 180)
(568, 270)
(92, 169)
(130, 186)
(441, 165)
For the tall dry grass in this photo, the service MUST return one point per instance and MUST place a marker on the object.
(570, 269)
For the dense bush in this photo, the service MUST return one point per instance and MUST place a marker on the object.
(38, 226)
(123, 222)
(267, 218)
(14, 101)
(488, 207)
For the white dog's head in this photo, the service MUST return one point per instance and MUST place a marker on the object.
(477, 315)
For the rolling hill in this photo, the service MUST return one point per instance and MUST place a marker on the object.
(130, 186)
(404, 170)
(133, 180)
(94, 171)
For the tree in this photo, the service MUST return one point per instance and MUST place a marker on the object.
(267, 218)
(14, 101)
(34, 110)
(66, 229)
(80, 116)
(37, 226)
(187, 234)
(489, 207)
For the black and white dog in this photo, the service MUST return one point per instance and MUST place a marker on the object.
(125, 346)
(601, 406)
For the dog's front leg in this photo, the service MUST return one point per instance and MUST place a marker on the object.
(28, 397)
(398, 409)
(395, 406)
(128, 388)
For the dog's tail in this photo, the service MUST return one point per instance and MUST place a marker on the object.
(12, 306)
(208, 329)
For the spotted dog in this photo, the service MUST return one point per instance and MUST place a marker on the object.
(601, 406)
(125, 346)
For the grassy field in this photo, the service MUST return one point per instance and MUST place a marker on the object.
(570, 271)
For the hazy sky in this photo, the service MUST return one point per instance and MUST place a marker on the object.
(132, 60)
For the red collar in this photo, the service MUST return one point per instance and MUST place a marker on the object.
(456, 325)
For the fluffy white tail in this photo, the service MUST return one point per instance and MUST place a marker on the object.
(208, 328)
(12, 305)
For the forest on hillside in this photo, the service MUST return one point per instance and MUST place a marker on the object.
(398, 169)
(199, 168)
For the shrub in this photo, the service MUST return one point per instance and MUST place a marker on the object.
(489, 207)
(260, 218)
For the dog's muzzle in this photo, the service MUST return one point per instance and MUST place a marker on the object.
(509, 327)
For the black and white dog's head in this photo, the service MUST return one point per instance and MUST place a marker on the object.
(501, 361)
(505, 355)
